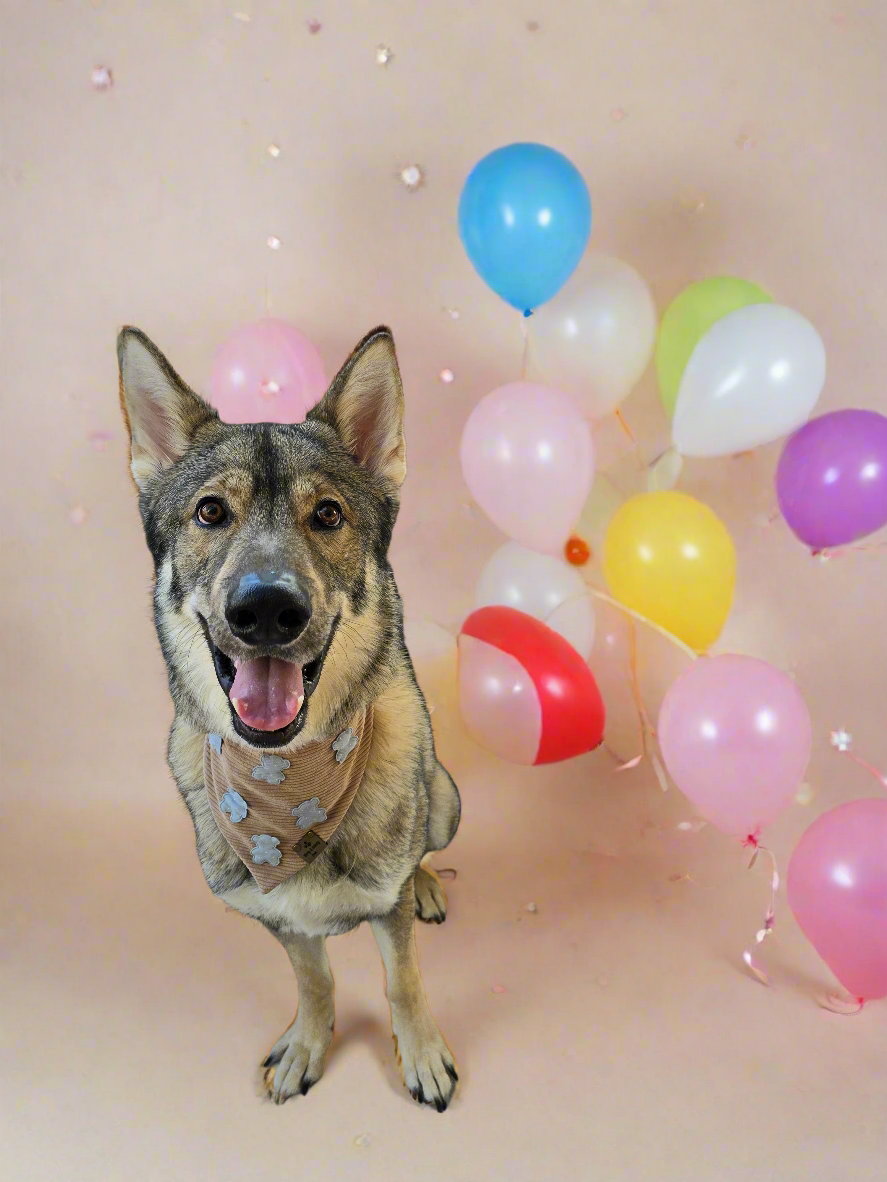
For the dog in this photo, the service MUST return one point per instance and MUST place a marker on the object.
(280, 623)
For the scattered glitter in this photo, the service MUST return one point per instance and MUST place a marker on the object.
(100, 439)
(841, 739)
(804, 794)
(577, 551)
(313, 26)
(447, 376)
(270, 389)
(243, 17)
(533, 26)
(453, 313)
(273, 243)
(412, 177)
(78, 515)
(102, 78)
(499, 989)
(745, 142)
(617, 114)
(274, 150)
(362, 1140)
(384, 55)
(532, 908)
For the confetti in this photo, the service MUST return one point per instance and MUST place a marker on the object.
(499, 989)
(532, 908)
(692, 826)
(313, 26)
(804, 794)
(383, 55)
(274, 150)
(100, 439)
(692, 201)
(841, 739)
(685, 877)
(617, 114)
(78, 515)
(412, 177)
(273, 243)
(447, 376)
(533, 26)
(102, 78)
(243, 17)
(453, 313)
(270, 389)
(362, 1140)
(745, 142)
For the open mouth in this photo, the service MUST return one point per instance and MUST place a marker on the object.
(268, 696)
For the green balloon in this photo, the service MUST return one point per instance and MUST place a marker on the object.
(688, 318)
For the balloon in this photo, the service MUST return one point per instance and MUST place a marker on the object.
(831, 482)
(267, 372)
(837, 889)
(688, 318)
(735, 735)
(525, 694)
(754, 376)
(594, 339)
(524, 220)
(528, 460)
(670, 558)
(543, 587)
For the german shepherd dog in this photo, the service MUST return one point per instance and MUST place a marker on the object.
(270, 550)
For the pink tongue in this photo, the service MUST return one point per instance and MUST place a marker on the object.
(267, 693)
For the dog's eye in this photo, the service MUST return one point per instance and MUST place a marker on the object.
(328, 515)
(211, 512)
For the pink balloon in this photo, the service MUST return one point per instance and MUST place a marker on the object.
(267, 372)
(499, 703)
(528, 459)
(837, 888)
(735, 736)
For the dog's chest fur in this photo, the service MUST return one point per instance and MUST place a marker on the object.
(378, 844)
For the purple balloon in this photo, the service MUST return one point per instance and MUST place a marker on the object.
(831, 482)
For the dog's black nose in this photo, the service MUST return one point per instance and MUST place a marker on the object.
(268, 607)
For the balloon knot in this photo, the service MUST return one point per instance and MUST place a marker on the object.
(753, 840)
(528, 312)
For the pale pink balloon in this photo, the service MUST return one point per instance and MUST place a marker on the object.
(499, 703)
(267, 372)
(837, 888)
(528, 460)
(736, 737)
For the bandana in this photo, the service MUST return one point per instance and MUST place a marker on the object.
(277, 813)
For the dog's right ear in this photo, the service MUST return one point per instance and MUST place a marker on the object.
(161, 412)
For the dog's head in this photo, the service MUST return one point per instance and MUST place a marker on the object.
(274, 602)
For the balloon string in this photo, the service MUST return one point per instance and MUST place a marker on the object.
(525, 352)
(864, 763)
(620, 418)
(828, 552)
(770, 916)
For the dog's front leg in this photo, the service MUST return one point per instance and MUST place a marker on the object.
(428, 1068)
(297, 1059)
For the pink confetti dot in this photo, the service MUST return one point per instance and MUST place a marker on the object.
(447, 376)
(270, 389)
(499, 989)
(100, 439)
(273, 242)
(533, 26)
(78, 515)
(313, 26)
(617, 114)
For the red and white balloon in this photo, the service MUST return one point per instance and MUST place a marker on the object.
(525, 693)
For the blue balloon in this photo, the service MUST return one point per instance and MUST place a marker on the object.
(524, 220)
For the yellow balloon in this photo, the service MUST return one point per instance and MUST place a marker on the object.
(670, 558)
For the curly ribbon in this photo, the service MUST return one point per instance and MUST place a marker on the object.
(770, 915)
(841, 740)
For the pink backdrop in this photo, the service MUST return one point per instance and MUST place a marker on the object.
(724, 137)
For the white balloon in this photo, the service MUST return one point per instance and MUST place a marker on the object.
(595, 338)
(755, 376)
(542, 586)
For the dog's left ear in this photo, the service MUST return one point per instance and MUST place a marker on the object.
(365, 406)
(162, 413)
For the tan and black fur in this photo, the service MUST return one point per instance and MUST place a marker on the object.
(270, 479)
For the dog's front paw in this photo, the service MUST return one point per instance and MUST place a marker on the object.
(431, 902)
(429, 1072)
(297, 1059)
